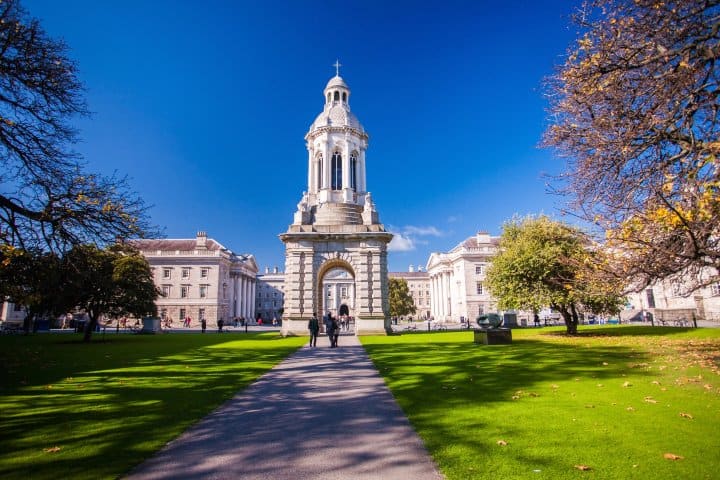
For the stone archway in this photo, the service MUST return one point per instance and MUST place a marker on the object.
(321, 299)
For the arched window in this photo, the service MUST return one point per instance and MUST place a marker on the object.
(337, 96)
(344, 97)
(320, 171)
(336, 171)
(353, 171)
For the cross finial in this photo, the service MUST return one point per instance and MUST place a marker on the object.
(337, 66)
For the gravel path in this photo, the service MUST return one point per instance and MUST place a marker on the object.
(321, 414)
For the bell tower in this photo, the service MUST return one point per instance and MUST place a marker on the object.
(336, 226)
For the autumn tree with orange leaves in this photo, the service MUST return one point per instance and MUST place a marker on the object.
(634, 110)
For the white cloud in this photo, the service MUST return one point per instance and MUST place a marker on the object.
(422, 231)
(401, 243)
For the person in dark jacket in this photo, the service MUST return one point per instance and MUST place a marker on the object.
(314, 327)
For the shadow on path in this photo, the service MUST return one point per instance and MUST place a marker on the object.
(322, 413)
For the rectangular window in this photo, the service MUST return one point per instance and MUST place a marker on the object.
(185, 273)
(343, 292)
(203, 291)
(479, 286)
(182, 314)
(224, 290)
(479, 269)
(201, 314)
(184, 291)
(163, 313)
(715, 289)
(676, 289)
(166, 290)
(420, 293)
(650, 298)
(203, 273)
(166, 273)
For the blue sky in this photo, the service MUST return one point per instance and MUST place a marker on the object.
(205, 105)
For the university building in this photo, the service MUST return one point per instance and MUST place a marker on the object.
(270, 295)
(457, 279)
(419, 287)
(201, 279)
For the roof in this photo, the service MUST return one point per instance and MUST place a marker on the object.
(338, 115)
(409, 275)
(172, 244)
(336, 81)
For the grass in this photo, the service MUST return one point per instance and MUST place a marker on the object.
(614, 399)
(72, 410)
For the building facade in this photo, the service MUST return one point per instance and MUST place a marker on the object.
(201, 279)
(457, 279)
(270, 295)
(336, 226)
(667, 300)
(419, 287)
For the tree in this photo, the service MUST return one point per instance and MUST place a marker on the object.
(542, 262)
(401, 302)
(48, 200)
(635, 111)
(115, 281)
(33, 280)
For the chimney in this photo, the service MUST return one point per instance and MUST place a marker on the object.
(411, 269)
(275, 270)
(483, 237)
(267, 270)
(201, 240)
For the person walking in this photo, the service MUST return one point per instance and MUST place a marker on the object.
(203, 325)
(314, 327)
(328, 321)
(335, 332)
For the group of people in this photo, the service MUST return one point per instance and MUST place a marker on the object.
(332, 329)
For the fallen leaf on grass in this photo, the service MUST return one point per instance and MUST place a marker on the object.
(599, 384)
(655, 382)
(630, 409)
(515, 397)
(589, 406)
(650, 400)
(553, 386)
(606, 364)
(502, 443)
(686, 415)
(672, 456)
(584, 468)
(627, 384)
(708, 386)
(52, 449)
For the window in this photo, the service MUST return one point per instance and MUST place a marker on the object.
(186, 273)
(166, 290)
(182, 314)
(201, 314)
(650, 298)
(420, 293)
(337, 96)
(343, 292)
(163, 313)
(353, 171)
(479, 286)
(676, 289)
(204, 272)
(203, 291)
(166, 273)
(329, 293)
(344, 96)
(715, 289)
(224, 290)
(479, 269)
(320, 183)
(184, 289)
(336, 172)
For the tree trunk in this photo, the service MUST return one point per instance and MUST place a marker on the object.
(571, 319)
(90, 327)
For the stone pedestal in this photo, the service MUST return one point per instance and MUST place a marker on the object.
(493, 336)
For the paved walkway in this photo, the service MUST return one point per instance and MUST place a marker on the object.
(321, 414)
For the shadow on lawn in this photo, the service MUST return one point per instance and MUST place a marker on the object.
(113, 404)
(434, 380)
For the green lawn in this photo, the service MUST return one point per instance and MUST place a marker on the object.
(109, 405)
(615, 399)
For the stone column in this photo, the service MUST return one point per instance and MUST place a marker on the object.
(253, 303)
(311, 170)
(361, 172)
